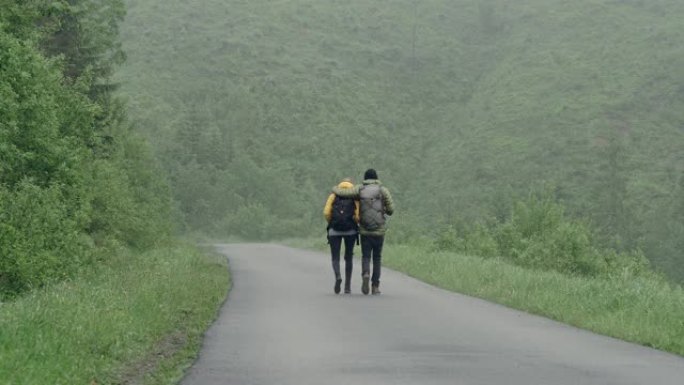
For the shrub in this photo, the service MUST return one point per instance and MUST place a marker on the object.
(538, 235)
(565, 248)
(39, 240)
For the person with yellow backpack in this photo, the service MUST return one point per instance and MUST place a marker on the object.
(342, 215)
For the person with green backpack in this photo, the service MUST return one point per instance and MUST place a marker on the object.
(342, 215)
(375, 205)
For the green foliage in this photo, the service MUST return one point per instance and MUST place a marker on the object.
(476, 241)
(74, 181)
(130, 201)
(40, 238)
(461, 106)
(44, 202)
(38, 140)
(538, 235)
(85, 34)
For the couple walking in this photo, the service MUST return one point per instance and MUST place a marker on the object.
(352, 210)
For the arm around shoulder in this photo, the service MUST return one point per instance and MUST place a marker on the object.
(387, 201)
(346, 192)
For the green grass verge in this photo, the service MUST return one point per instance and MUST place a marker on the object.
(137, 320)
(645, 311)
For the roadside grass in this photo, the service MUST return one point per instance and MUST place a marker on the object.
(645, 311)
(138, 319)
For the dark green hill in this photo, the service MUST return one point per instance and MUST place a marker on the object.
(257, 107)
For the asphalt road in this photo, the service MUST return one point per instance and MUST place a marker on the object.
(282, 324)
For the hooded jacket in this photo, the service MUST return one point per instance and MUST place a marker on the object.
(327, 210)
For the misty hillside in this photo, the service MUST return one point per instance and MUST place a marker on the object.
(256, 108)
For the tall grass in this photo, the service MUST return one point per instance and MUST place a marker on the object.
(118, 324)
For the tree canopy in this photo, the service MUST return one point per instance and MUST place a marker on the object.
(74, 180)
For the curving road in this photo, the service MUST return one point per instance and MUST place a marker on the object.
(282, 324)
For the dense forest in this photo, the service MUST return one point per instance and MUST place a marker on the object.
(547, 132)
(476, 114)
(76, 184)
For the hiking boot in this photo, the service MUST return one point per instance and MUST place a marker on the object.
(375, 290)
(338, 283)
(364, 285)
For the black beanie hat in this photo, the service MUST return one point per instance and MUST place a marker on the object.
(370, 174)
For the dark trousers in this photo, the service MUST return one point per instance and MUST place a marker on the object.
(335, 246)
(371, 247)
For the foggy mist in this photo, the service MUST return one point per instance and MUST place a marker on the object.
(464, 107)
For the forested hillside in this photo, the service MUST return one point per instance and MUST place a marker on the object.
(464, 107)
(75, 182)
(533, 148)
